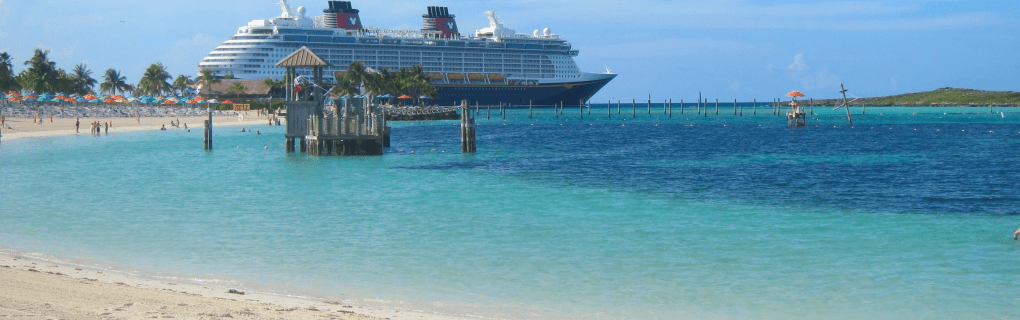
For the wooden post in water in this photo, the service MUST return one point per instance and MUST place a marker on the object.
(580, 108)
(670, 107)
(741, 108)
(530, 114)
(681, 106)
(734, 106)
(618, 106)
(864, 109)
(812, 106)
(467, 129)
(503, 110)
(633, 108)
(488, 112)
(664, 104)
(755, 110)
(208, 129)
(556, 110)
(649, 104)
(609, 108)
(717, 107)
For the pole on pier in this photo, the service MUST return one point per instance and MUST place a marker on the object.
(467, 129)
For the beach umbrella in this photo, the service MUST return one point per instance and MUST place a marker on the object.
(80, 99)
(168, 102)
(14, 99)
(57, 100)
(226, 102)
(214, 101)
(424, 97)
(14, 94)
(795, 94)
(345, 96)
(201, 101)
(199, 98)
(45, 96)
(405, 97)
(29, 97)
(3, 96)
(110, 100)
(69, 99)
(90, 97)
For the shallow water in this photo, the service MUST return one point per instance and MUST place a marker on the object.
(646, 217)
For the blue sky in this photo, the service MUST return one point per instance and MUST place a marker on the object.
(669, 49)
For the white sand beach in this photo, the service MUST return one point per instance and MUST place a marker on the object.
(37, 289)
(28, 128)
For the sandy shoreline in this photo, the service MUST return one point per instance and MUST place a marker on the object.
(25, 128)
(38, 289)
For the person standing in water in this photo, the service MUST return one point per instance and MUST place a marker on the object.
(1016, 234)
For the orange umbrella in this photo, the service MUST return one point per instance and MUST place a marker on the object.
(90, 97)
(29, 97)
(795, 93)
(14, 98)
(109, 100)
(227, 102)
(404, 96)
(14, 94)
(199, 98)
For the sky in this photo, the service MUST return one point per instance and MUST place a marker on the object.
(726, 49)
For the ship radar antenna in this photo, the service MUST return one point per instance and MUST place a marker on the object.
(285, 7)
(608, 71)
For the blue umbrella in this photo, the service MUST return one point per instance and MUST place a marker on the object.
(424, 97)
(345, 96)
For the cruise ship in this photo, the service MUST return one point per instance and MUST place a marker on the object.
(495, 65)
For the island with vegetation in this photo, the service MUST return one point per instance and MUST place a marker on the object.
(943, 97)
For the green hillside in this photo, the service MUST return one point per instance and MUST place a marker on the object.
(940, 97)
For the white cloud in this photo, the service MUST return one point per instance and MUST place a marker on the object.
(798, 63)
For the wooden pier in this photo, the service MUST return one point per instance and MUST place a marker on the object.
(357, 128)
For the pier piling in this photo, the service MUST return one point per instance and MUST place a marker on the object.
(467, 131)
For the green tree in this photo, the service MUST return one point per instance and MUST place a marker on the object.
(182, 83)
(155, 80)
(113, 82)
(81, 80)
(42, 74)
(272, 84)
(8, 80)
(207, 79)
(237, 89)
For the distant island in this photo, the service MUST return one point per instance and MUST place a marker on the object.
(939, 97)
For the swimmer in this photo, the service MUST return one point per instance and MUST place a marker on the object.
(1016, 234)
(258, 133)
(163, 128)
(242, 130)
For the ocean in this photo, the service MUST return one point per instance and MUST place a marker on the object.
(907, 215)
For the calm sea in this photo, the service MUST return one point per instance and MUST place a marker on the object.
(908, 215)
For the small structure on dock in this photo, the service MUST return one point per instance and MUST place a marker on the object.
(355, 127)
(796, 117)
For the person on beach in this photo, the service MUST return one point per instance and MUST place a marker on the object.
(106, 126)
(77, 124)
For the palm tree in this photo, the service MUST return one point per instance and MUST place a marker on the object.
(356, 74)
(272, 84)
(237, 89)
(207, 79)
(182, 83)
(42, 75)
(155, 80)
(81, 81)
(7, 79)
(113, 82)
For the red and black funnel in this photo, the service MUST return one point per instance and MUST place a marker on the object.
(341, 15)
(439, 21)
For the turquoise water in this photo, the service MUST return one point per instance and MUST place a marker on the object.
(646, 217)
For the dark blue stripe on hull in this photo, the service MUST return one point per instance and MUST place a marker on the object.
(539, 95)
